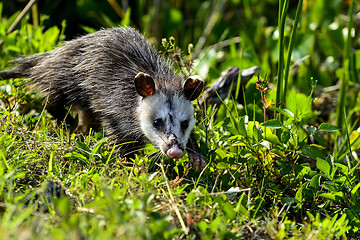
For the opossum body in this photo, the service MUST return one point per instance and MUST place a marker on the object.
(115, 79)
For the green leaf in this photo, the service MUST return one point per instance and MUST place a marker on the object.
(333, 220)
(96, 179)
(68, 155)
(202, 226)
(82, 146)
(126, 21)
(343, 168)
(291, 102)
(285, 136)
(232, 192)
(228, 210)
(355, 189)
(190, 199)
(63, 207)
(276, 124)
(285, 112)
(50, 164)
(272, 138)
(233, 130)
(215, 223)
(242, 125)
(240, 207)
(313, 151)
(265, 144)
(221, 153)
(222, 165)
(334, 196)
(326, 127)
(98, 145)
(315, 182)
(299, 194)
(289, 200)
(311, 129)
(19, 175)
(323, 166)
(257, 133)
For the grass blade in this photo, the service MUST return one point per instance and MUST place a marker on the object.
(283, 6)
(291, 45)
(346, 63)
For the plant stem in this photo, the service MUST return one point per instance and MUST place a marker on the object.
(281, 26)
(345, 78)
(291, 45)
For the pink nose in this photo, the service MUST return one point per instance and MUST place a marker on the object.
(174, 152)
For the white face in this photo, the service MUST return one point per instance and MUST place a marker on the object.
(167, 122)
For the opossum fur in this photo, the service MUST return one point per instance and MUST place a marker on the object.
(115, 79)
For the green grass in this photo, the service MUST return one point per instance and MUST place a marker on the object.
(265, 178)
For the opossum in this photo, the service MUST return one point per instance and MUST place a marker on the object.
(115, 79)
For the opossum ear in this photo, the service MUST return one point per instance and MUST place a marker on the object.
(193, 87)
(144, 84)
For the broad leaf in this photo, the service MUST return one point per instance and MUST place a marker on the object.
(323, 166)
(326, 127)
(276, 124)
(315, 182)
(242, 125)
(285, 112)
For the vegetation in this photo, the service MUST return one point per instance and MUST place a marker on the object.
(282, 163)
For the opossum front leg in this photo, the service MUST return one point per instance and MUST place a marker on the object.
(86, 120)
(196, 157)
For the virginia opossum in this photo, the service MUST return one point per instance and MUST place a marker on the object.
(114, 78)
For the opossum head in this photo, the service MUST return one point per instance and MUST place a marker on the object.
(167, 119)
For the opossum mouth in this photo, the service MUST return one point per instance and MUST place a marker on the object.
(174, 152)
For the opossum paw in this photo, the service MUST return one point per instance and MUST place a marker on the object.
(197, 161)
(81, 129)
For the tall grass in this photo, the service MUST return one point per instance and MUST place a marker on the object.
(290, 48)
(283, 6)
(283, 73)
(347, 59)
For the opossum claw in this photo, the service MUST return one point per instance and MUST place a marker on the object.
(197, 161)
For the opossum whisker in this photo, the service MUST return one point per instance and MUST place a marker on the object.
(162, 138)
(189, 150)
(157, 155)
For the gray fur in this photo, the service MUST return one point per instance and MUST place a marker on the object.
(95, 73)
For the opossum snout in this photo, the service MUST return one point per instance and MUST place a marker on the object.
(174, 152)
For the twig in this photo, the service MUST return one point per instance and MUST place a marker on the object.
(117, 8)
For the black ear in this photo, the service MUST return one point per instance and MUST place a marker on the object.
(144, 84)
(193, 87)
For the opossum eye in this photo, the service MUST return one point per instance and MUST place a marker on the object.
(184, 124)
(158, 123)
